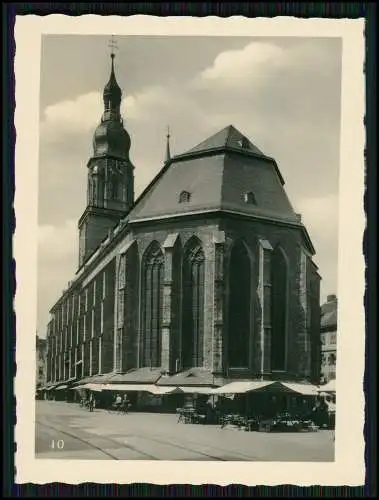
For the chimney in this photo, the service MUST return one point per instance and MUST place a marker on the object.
(331, 298)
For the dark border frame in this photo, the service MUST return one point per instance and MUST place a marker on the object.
(200, 9)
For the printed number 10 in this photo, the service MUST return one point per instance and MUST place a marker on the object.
(57, 444)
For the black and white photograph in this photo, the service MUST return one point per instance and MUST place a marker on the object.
(188, 249)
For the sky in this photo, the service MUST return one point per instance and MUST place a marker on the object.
(284, 94)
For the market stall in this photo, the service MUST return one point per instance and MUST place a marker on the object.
(142, 396)
(197, 404)
(267, 405)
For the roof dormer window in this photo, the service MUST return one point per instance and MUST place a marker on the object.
(184, 197)
(243, 143)
(249, 198)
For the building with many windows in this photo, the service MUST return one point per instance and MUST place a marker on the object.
(40, 362)
(207, 276)
(329, 339)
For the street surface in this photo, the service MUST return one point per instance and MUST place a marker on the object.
(64, 431)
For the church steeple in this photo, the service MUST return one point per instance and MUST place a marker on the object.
(110, 136)
(112, 94)
(168, 152)
(110, 188)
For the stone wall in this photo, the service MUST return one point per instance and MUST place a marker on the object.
(290, 242)
(217, 237)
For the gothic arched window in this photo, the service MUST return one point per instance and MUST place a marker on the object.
(120, 312)
(193, 305)
(239, 307)
(279, 310)
(153, 269)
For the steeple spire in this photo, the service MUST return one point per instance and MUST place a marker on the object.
(110, 187)
(112, 93)
(113, 46)
(168, 152)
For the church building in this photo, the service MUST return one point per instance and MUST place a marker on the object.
(207, 276)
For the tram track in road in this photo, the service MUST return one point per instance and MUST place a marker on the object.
(241, 456)
(128, 446)
(180, 447)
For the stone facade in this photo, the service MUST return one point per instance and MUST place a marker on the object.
(40, 362)
(115, 331)
(195, 273)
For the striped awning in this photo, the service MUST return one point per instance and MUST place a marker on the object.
(93, 387)
(160, 390)
(50, 387)
(303, 389)
(130, 388)
(152, 389)
(196, 390)
(241, 387)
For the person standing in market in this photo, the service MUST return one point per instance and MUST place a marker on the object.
(91, 403)
(126, 403)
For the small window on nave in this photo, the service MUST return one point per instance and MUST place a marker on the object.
(249, 198)
(184, 197)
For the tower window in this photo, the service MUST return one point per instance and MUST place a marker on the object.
(249, 198)
(184, 197)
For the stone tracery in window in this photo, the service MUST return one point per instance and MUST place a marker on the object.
(152, 306)
(193, 304)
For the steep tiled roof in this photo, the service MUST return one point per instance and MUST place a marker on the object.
(329, 314)
(139, 376)
(227, 137)
(225, 172)
(191, 377)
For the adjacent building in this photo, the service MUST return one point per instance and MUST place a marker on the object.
(207, 276)
(41, 347)
(329, 339)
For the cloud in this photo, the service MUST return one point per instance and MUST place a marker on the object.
(257, 62)
(317, 212)
(70, 117)
(252, 64)
(320, 217)
(57, 242)
(57, 259)
(284, 98)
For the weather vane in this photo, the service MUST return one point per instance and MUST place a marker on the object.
(112, 45)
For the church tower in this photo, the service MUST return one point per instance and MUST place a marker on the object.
(110, 187)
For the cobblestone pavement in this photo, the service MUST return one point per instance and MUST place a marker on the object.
(64, 430)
